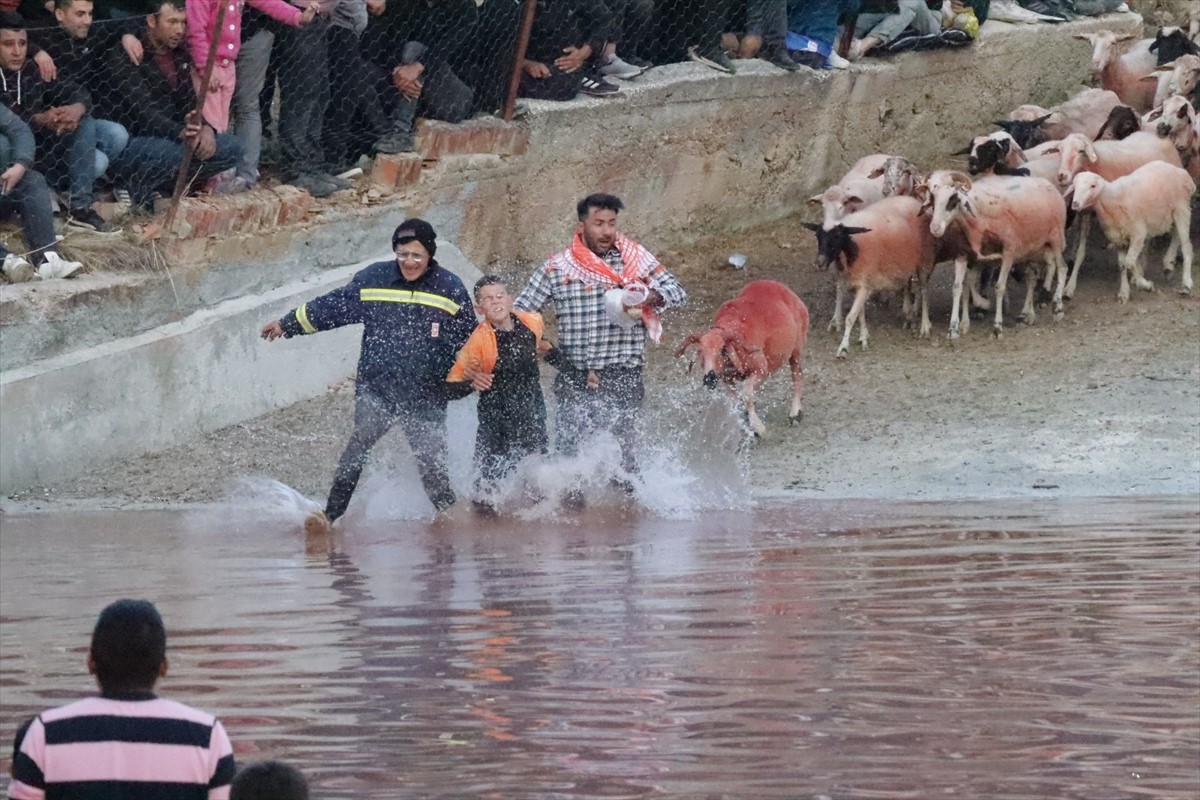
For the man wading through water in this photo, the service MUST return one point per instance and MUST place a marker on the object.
(599, 383)
(415, 316)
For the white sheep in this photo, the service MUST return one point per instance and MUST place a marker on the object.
(1152, 200)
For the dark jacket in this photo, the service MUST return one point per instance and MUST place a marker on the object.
(80, 60)
(145, 103)
(446, 27)
(411, 330)
(20, 139)
(568, 23)
(27, 94)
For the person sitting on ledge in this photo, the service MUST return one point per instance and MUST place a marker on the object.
(24, 190)
(63, 127)
(881, 24)
(566, 45)
(156, 102)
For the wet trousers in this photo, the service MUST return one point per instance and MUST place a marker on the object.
(613, 406)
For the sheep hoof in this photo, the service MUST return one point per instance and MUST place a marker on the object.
(953, 333)
(1185, 290)
(794, 420)
(1028, 318)
(834, 325)
(842, 352)
(998, 332)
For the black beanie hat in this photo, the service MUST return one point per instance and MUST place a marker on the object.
(417, 229)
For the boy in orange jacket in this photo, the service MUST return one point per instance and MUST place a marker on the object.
(499, 361)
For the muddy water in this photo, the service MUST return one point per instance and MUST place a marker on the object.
(999, 650)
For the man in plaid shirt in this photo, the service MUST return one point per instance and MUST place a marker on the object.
(599, 383)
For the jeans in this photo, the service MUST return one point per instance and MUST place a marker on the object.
(111, 140)
(31, 199)
(816, 19)
(885, 27)
(426, 434)
(150, 164)
(69, 159)
(303, 65)
(251, 68)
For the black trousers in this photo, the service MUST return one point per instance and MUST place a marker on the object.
(505, 437)
(615, 406)
(425, 430)
(302, 64)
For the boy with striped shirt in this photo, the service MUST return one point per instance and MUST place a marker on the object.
(126, 743)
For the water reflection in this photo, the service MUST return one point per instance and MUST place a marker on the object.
(998, 650)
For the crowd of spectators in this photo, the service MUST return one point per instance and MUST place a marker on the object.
(109, 88)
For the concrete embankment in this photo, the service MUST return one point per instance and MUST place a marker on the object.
(115, 365)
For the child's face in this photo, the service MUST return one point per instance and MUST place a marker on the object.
(495, 303)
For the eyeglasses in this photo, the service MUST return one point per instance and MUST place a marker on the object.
(408, 255)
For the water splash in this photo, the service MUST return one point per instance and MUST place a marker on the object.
(261, 496)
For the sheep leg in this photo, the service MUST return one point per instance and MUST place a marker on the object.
(835, 324)
(1006, 263)
(1134, 259)
(1028, 315)
(977, 299)
(1085, 229)
(922, 288)
(1184, 240)
(748, 389)
(856, 309)
(960, 271)
(1123, 266)
(796, 411)
(1056, 265)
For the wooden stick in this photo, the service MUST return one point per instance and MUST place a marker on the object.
(843, 45)
(189, 146)
(510, 102)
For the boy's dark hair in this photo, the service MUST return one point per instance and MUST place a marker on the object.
(606, 202)
(269, 780)
(487, 280)
(65, 4)
(11, 21)
(155, 6)
(129, 644)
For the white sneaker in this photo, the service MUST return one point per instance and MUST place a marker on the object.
(616, 68)
(17, 269)
(55, 266)
(835, 61)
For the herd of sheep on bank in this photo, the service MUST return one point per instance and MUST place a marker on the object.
(1127, 153)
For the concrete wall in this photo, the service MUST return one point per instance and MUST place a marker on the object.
(112, 366)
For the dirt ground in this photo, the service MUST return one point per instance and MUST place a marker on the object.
(1104, 402)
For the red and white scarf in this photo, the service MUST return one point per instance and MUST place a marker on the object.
(583, 264)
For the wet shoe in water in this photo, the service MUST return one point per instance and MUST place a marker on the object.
(572, 500)
(317, 524)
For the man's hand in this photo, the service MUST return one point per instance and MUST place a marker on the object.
(191, 128)
(69, 117)
(312, 11)
(407, 80)
(11, 177)
(376, 7)
(573, 58)
(133, 48)
(46, 67)
(272, 331)
(535, 69)
(45, 120)
(206, 143)
(480, 381)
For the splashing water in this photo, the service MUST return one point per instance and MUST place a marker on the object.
(261, 496)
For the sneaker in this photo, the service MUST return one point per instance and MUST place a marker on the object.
(779, 57)
(86, 219)
(834, 61)
(615, 67)
(597, 88)
(637, 61)
(317, 524)
(339, 184)
(953, 37)
(230, 184)
(909, 41)
(17, 269)
(712, 57)
(313, 184)
(395, 142)
(55, 266)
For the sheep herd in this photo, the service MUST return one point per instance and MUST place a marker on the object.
(1126, 153)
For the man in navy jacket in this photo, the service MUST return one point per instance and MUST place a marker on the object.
(416, 315)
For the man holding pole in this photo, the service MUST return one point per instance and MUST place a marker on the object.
(156, 101)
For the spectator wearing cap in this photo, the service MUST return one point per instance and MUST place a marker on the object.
(157, 104)
(416, 315)
(59, 113)
(566, 45)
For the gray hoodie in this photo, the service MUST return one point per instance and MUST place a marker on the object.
(19, 148)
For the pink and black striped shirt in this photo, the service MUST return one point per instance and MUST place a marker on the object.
(122, 747)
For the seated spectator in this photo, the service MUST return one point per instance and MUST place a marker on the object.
(23, 189)
(57, 111)
(880, 24)
(74, 46)
(565, 47)
(632, 20)
(157, 104)
(702, 35)
(419, 51)
(129, 738)
(355, 121)
(765, 33)
(817, 20)
(269, 780)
